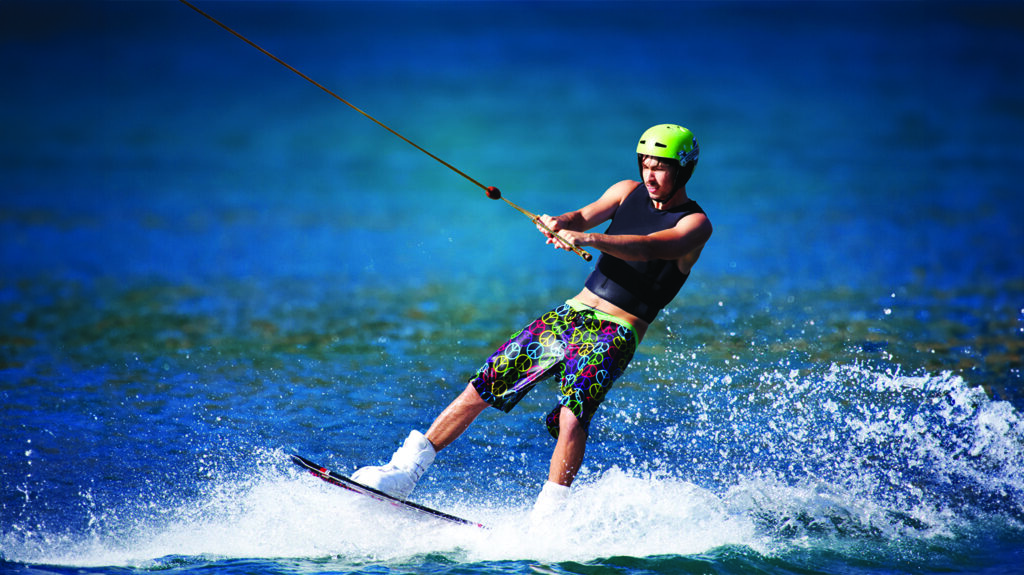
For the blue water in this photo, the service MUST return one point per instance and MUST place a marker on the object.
(208, 264)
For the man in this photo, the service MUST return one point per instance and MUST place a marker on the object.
(655, 237)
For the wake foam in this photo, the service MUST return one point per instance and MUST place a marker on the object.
(621, 514)
(281, 513)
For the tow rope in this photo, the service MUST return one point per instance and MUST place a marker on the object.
(491, 191)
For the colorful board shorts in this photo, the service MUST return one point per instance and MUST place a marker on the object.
(587, 349)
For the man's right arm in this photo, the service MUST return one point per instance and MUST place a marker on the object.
(593, 214)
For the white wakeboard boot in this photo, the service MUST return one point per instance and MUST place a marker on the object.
(551, 500)
(407, 465)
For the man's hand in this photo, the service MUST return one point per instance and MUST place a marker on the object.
(571, 238)
(551, 226)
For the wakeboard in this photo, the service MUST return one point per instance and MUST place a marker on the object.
(347, 483)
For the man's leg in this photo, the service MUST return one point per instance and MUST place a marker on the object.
(568, 455)
(565, 462)
(456, 418)
(398, 477)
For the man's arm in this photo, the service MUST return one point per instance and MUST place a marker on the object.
(595, 213)
(682, 243)
(686, 237)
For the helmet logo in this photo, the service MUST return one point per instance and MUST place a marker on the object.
(691, 156)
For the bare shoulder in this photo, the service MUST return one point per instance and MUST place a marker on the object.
(604, 207)
(617, 193)
(620, 190)
(696, 224)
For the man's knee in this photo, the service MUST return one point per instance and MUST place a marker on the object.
(569, 425)
(472, 396)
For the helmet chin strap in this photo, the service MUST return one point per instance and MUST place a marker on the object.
(675, 191)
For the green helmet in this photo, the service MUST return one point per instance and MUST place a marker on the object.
(670, 141)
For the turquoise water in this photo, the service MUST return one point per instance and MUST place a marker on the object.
(208, 264)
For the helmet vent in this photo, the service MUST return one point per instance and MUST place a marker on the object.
(659, 145)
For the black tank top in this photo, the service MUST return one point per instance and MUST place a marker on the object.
(642, 288)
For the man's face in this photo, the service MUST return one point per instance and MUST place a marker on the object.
(657, 176)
